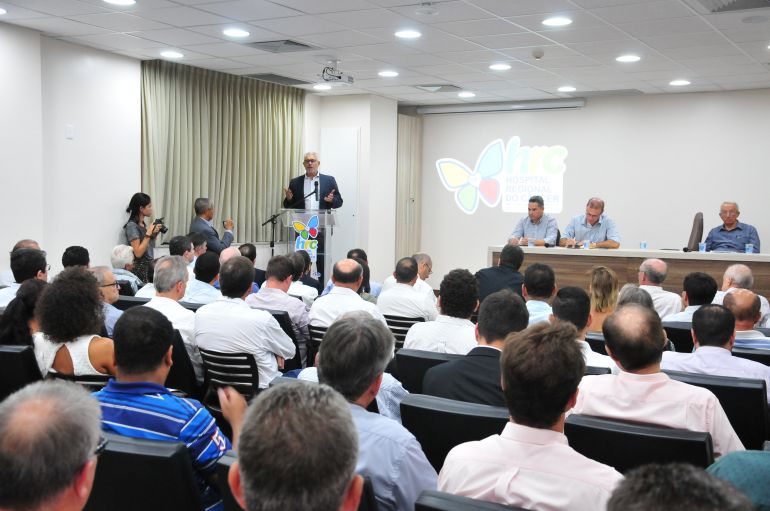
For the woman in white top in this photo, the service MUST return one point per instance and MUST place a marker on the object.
(69, 312)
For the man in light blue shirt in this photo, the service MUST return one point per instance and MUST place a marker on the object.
(594, 226)
(538, 290)
(352, 360)
(536, 227)
(732, 235)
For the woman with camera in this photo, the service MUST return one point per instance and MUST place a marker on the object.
(138, 235)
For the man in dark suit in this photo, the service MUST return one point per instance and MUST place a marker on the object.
(503, 276)
(475, 378)
(328, 193)
(204, 214)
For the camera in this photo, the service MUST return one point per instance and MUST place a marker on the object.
(163, 228)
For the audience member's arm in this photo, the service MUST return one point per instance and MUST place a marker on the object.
(613, 236)
(101, 351)
(415, 474)
(140, 245)
(568, 238)
(233, 408)
(277, 341)
(754, 239)
(723, 434)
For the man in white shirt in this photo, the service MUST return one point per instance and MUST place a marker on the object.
(229, 325)
(170, 278)
(538, 290)
(739, 276)
(201, 289)
(347, 276)
(6, 276)
(745, 306)
(26, 263)
(641, 392)
(297, 288)
(699, 289)
(573, 305)
(402, 299)
(713, 334)
(424, 270)
(530, 464)
(453, 331)
(652, 274)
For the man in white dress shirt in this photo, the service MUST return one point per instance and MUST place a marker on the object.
(573, 305)
(530, 464)
(713, 334)
(538, 290)
(26, 263)
(402, 299)
(201, 289)
(453, 331)
(229, 325)
(424, 270)
(745, 306)
(641, 392)
(652, 274)
(699, 289)
(739, 276)
(170, 279)
(347, 276)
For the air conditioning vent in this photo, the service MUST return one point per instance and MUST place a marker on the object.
(281, 46)
(282, 80)
(438, 87)
(718, 6)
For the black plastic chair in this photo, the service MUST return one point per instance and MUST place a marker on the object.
(596, 341)
(679, 333)
(143, 474)
(626, 445)
(413, 364)
(595, 371)
(431, 500)
(126, 302)
(237, 370)
(440, 424)
(316, 336)
(18, 368)
(91, 382)
(284, 321)
(757, 355)
(182, 374)
(125, 288)
(191, 306)
(744, 401)
(399, 326)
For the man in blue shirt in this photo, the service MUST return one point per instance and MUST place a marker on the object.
(594, 227)
(137, 404)
(537, 227)
(732, 235)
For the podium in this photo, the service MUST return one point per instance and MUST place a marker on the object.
(311, 230)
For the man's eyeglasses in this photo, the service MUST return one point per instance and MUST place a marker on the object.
(114, 284)
(309, 162)
(101, 446)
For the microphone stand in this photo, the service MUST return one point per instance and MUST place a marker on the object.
(274, 220)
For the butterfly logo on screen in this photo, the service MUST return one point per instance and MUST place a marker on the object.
(481, 182)
(307, 231)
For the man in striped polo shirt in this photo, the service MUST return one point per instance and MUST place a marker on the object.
(137, 404)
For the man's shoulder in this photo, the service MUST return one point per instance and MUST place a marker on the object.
(383, 427)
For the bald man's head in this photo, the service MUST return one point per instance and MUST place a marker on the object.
(348, 273)
(228, 253)
(634, 336)
(653, 272)
(745, 306)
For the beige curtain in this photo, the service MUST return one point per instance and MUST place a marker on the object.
(229, 138)
(409, 185)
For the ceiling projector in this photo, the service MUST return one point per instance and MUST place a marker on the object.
(333, 74)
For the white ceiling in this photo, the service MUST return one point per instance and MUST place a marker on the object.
(677, 39)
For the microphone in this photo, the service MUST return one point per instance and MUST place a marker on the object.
(316, 190)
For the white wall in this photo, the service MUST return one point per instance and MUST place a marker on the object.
(311, 130)
(656, 160)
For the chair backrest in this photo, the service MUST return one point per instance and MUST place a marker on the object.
(744, 401)
(92, 382)
(223, 468)
(238, 370)
(440, 424)
(399, 326)
(191, 306)
(124, 288)
(283, 319)
(679, 333)
(596, 341)
(696, 233)
(182, 375)
(413, 364)
(431, 500)
(126, 302)
(316, 335)
(593, 370)
(143, 474)
(18, 368)
(625, 445)
(757, 355)
(765, 331)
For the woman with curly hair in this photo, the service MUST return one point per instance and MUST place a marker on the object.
(138, 235)
(18, 322)
(603, 291)
(70, 313)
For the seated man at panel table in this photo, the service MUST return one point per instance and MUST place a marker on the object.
(314, 476)
(699, 290)
(635, 339)
(573, 305)
(229, 325)
(402, 299)
(347, 276)
(453, 331)
(475, 378)
(136, 403)
(26, 263)
(505, 275)
(538, 290)
(122, 261)
(732, 235)
(108, 290)
(739, 276)
(594, 226)
(530, 463)
(713, 334)
(744, 305)
(537, 227)
(201, 289)
(6, 276)
(352, 360)
(652, 274)
(49, 443)
(424, 270)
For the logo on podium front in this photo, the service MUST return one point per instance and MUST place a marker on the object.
(306, 237)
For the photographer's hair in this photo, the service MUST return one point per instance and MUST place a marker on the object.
(138, 201)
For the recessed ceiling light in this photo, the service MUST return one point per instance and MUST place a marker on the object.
(408, 34)
(235, 32)
(171, 54)
(557, 21)
(466, 94)
(629, 58)
(500, 67)
(121, 2)
(388, 74)
(678, 83)
(322, 86)
(567, 88)
(2, 11)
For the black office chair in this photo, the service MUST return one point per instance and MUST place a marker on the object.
(595, 371)
(596, 341)
(625, 445)
(679, 333)
(181, 377)
(399, 326)
(18, 368)
(125, 288)
(316, 336)
(191, 306)
(143, 474)
(413, 364)
(237, 370)
(757, 355)
(126, 302)
(284, 321)
(744, 401)
(431, 500)
(440, 424)
(696, 233)
(92, 382)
